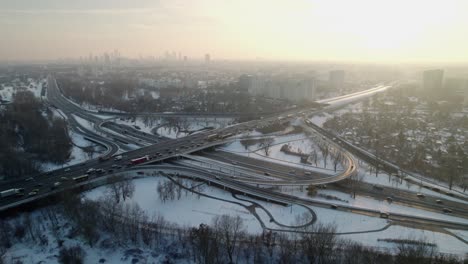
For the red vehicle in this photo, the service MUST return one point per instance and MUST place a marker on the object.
(140, 160)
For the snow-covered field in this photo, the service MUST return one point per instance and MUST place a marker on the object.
(160, 125)
(445, 243)
(191, 210)
(298, 143)
(190, 126)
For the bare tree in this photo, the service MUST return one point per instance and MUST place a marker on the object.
(266, 143)
(231, 230)
(325, 152)
(319, 242)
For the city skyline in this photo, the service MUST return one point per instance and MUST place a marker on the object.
(300, 30)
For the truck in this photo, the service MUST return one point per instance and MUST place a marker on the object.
(140, 160)
(211, 137)
(226, 135)
(103, 158)
(11, 192)
(81, 178)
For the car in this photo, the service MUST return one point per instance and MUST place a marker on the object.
(110, 170)
(439, 201)
(140, 172)
(292, 172)
(435, 189)
(266, 173)
(308, 173)
(334, 206)
(217, 177)
(234, 163)
(420, 195)
(450, 194)
(379, 188)
(384, 215)
(35, 190)
(29, 179)
(32, 193)
(67, 170)
(91, 170)
(64, 178)
(447, 210)
(389, 199)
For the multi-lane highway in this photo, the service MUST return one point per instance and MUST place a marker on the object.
(115, 137)
(157, 152)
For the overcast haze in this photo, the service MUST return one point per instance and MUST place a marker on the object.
(361, 30)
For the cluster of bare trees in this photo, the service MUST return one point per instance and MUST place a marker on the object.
(325, 151)
(414, 140)
(168, 190)
(120, 187)
(27, 136)
(225, 240)
(265, 144)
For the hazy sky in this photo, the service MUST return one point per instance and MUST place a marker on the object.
(363, 30)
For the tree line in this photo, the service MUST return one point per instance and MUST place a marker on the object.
(30, 134)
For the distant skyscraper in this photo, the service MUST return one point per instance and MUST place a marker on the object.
(432, 81)
(336, 80)
(207, 58)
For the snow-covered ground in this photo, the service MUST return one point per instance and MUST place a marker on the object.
(370, 203)
(391, 181)
(83, 122)
(191, 210)
(7, 91)
(191, 126)
(445, 243)
(146, 124)
(27, 251)
(298, 143)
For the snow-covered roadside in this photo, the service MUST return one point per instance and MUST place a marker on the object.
(78, 155)
(145, 126)
(394, 182)
(445, 243)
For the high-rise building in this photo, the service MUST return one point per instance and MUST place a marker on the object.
(207, 58)
(456, 87)
(336, 80)
(432, 81)
(290, 88)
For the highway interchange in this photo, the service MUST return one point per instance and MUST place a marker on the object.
(170, 156)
